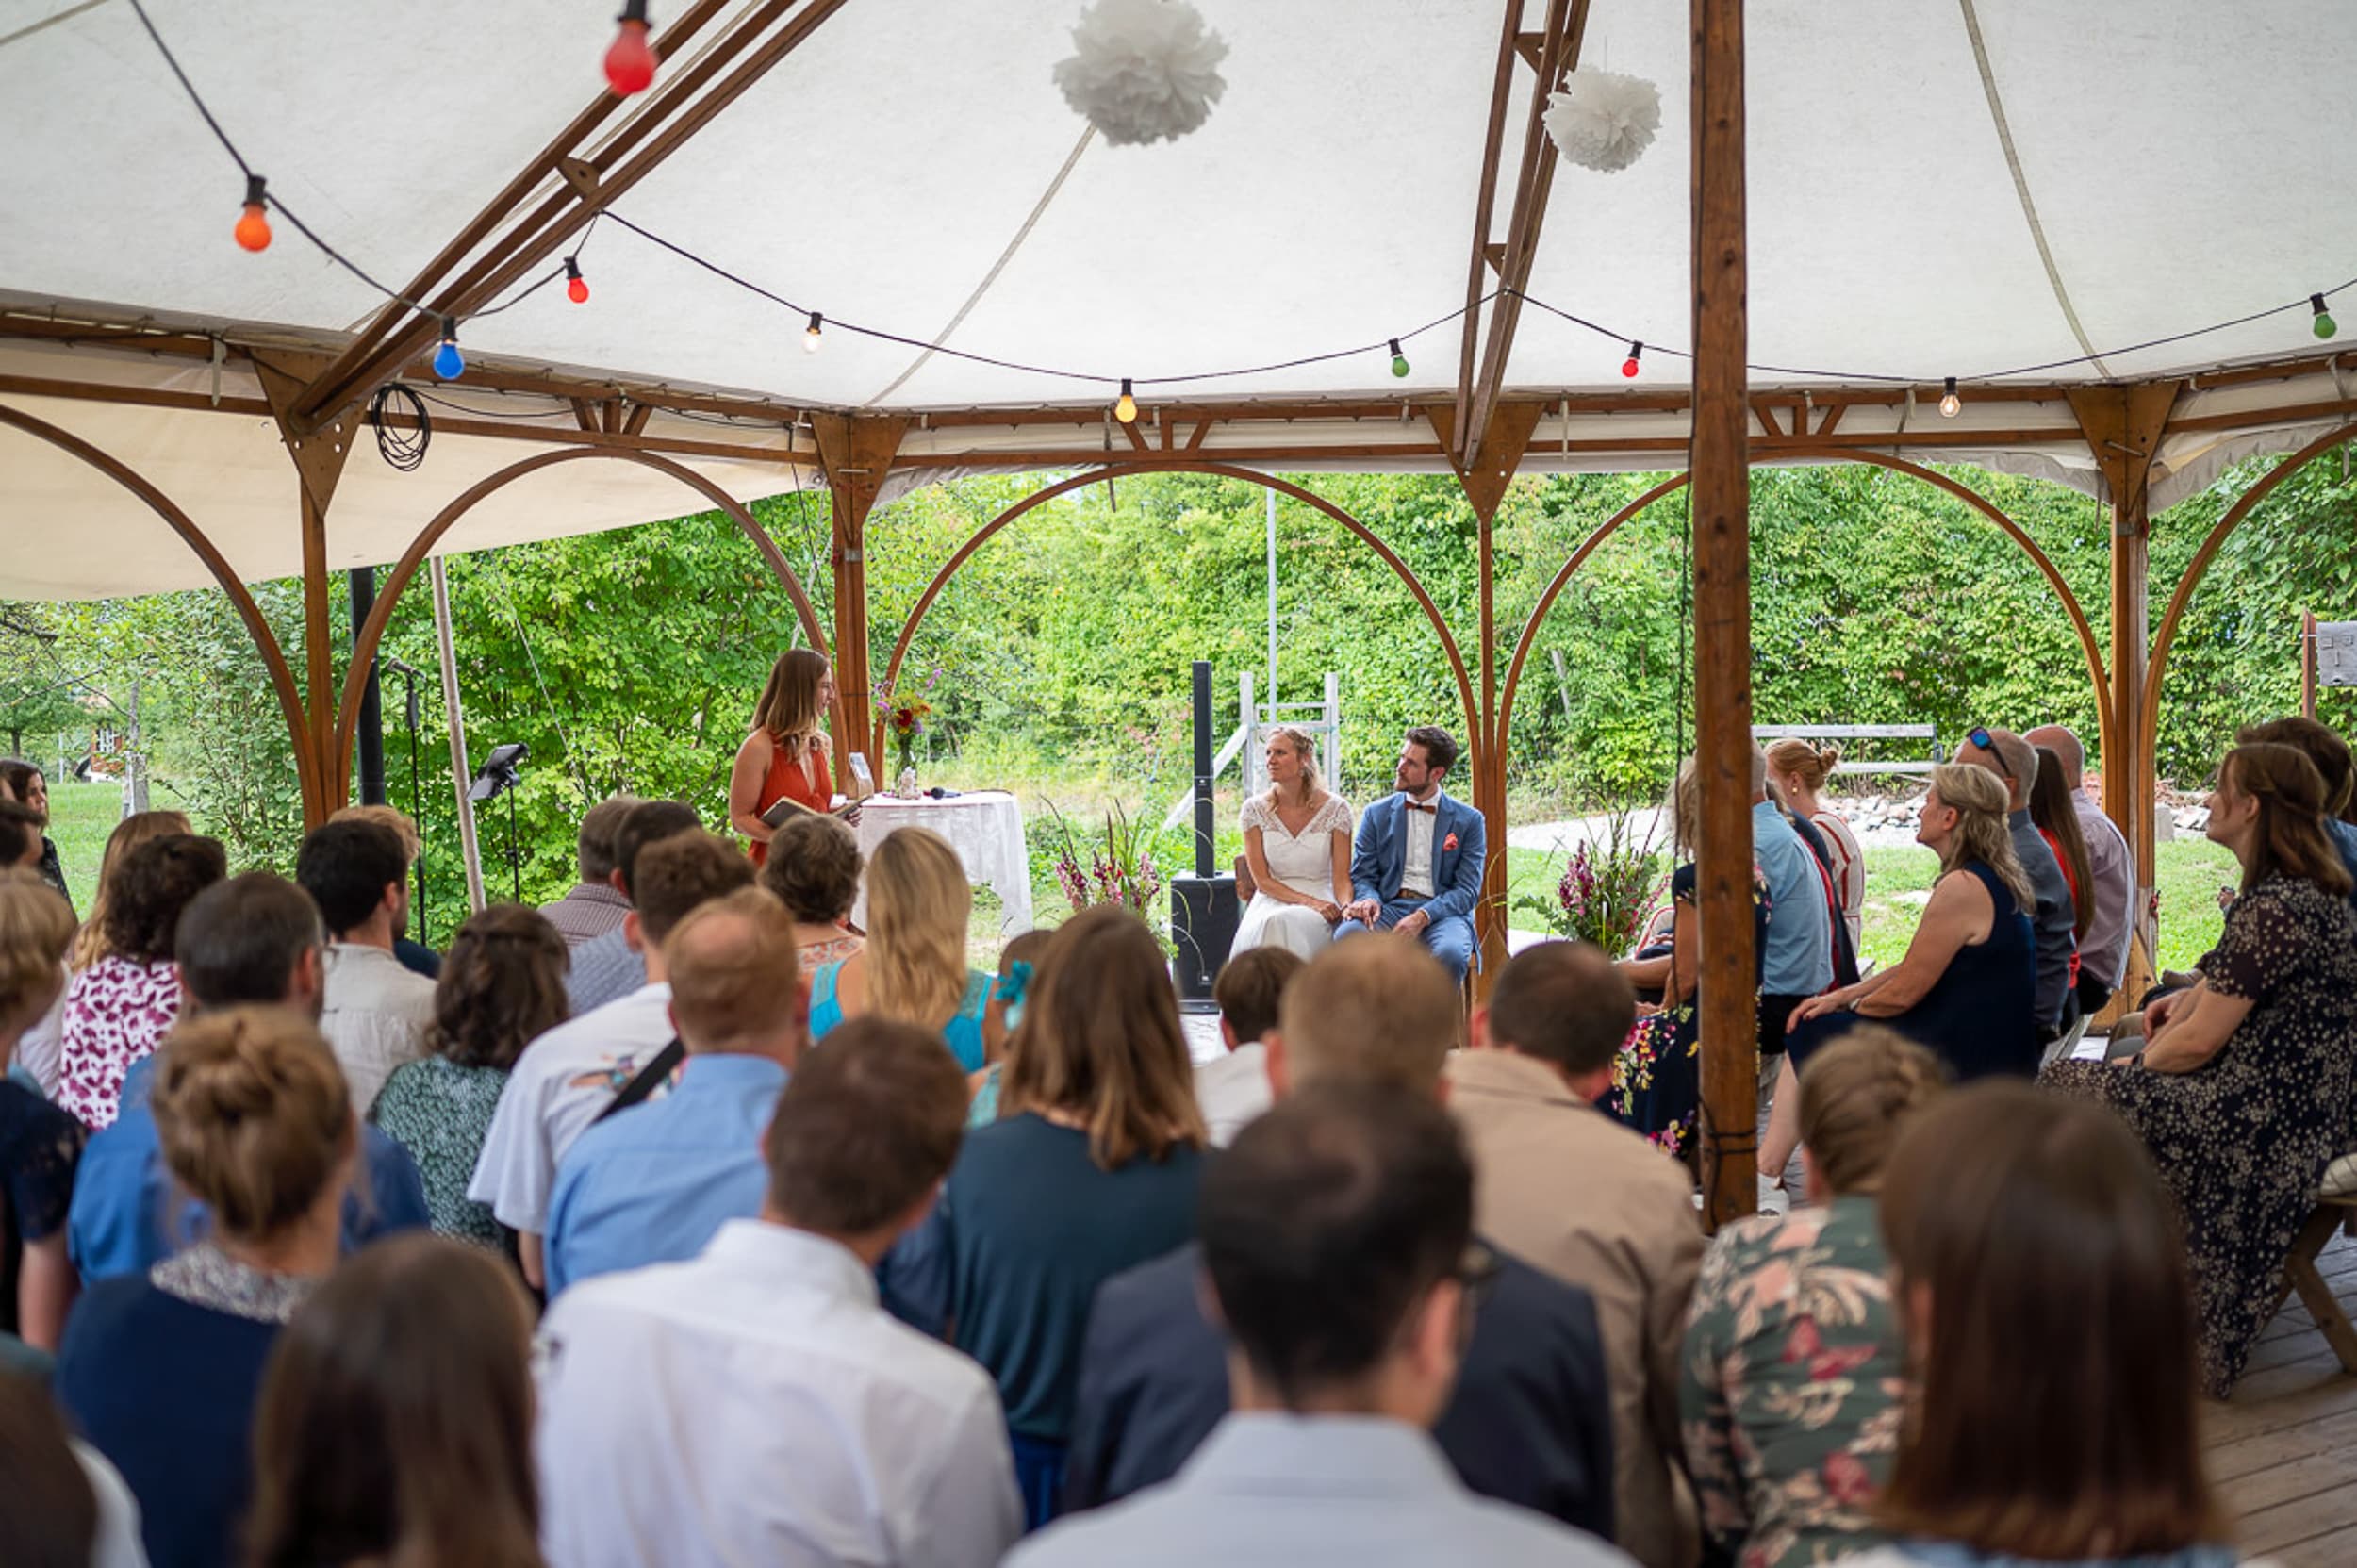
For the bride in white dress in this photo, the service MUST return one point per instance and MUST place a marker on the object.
(1297, 840)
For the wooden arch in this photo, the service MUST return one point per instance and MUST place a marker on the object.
(373, 631)
(2087, 644)
(2240, 510)
(282, 679)
(982, 535)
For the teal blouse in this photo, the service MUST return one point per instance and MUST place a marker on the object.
(963, 1031)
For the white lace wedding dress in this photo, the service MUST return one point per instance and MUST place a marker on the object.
(1302, 861)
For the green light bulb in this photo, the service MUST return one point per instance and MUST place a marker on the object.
(1399, 360)
(2325, 325)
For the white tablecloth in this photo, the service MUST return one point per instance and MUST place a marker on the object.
(986, 830)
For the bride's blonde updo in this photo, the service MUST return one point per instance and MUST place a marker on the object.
(1304, 747)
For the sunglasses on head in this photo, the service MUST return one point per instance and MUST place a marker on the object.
(1981, 739)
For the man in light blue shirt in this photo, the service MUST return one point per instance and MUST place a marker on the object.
(1337, 1235)
(1796, 961)
(653, 1184)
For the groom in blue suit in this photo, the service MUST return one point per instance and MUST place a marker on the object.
(1416, 866)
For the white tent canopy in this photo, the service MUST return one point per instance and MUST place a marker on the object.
(912, 167)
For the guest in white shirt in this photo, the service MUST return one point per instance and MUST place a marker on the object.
(1234, 1088)
(567, 1077)
(755, 1404)
(1338, 1241)
(377, 1011)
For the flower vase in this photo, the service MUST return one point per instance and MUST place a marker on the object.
(904, 785)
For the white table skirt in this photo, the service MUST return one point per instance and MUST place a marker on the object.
(985, 829)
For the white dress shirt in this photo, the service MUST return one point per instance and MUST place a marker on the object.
(1415, 867)
(2106, 949)
(559, 1084)
(757, 1406)
(375, 1016)
(1232, 1090)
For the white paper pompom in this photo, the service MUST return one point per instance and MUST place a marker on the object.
(1603, 120)
(1143, 69)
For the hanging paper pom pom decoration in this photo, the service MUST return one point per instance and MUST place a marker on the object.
(1143, 69)
(1602, 120)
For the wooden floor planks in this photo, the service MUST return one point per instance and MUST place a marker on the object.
(2283, 1450)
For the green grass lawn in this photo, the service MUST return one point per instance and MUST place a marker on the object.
(80, 818)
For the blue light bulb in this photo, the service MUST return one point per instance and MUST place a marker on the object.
(448, 362)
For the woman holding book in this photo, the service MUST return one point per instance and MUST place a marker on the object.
(784, 759)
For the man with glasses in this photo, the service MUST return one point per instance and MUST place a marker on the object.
(2052, 923)
(1337, 1235)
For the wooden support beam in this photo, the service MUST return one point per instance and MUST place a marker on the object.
(856, 454)
(1723, 619)
(1766, 414)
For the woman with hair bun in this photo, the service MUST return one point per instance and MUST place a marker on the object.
(1800, 770)
(158, 1371)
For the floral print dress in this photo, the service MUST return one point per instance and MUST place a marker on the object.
(116, 1012)
(1792, 1385)
(1656, 1076)
(2244, 1139)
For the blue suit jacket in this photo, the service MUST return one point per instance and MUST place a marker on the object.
(1379, 854)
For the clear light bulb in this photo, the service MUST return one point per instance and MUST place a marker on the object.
(1949, 405)
(1126, 410)
(811, 334)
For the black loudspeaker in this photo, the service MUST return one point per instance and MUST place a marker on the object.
(1203, 916)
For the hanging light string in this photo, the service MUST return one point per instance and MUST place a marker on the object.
(568, 270)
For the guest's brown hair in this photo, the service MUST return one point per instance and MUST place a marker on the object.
(1793, 756)
(673, 877)
(253, 1116)
(154, 882)
(648, 822)
(1856, 1098)
(788, 708)
(89, 945)
(2054, 1416)
(48, 1513)
(1103, 1041)
(2328, 750)
(735, 977)
(403, 826)
(394, 1423)
(1369, 1007)
(1250, 987)
(1564, 1003)
(813, 869)
(2051, 813)
(502, 987)
(593, 851)
(867, 1125)
(2289, 841)
(35, 927)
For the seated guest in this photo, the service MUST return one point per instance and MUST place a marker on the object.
(912, 967)
(502, 987)
(159, 1370)
(122, 1004)
(40, 1145)
(2330, 754)
(1297, 844)
(1417, 860)
(593, 906)
(1799, 771)
(1090, 1169)
(1796, 958)
(611, 966)
(2057, 823)
(1530, 1420)
(1972, 956)
(2008, 1213)
(415, 956)
(394, 1424)
(1566, 1188)
(1234, 1088)
(801, 1423)
(1019, 964)
(20, 838)
(652, 1185)
(253, 940)
(2014, 761)
(813, 868)
(39, 1052)
(2103, 950)
(577, 1073)
(64, 1506)
(30, 789)
(2242, 1090)
(1338, 1241)
(1793, 1371)
(376, 1010)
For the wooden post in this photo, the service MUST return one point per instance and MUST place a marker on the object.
(1722, 621)
(2308, 664)
(856, 454)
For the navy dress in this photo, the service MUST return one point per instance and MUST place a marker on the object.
(1656, 1075)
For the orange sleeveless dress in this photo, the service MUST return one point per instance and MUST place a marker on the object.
(787, 780)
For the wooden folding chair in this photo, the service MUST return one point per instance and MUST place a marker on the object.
(2335, 1212)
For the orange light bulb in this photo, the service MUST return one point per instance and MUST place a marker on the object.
(253, 230)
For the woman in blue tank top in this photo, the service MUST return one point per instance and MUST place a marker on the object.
(1966, 989)
(914, 966)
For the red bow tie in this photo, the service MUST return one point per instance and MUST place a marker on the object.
(1434, 807)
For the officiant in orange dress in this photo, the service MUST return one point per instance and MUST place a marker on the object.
(786, 758)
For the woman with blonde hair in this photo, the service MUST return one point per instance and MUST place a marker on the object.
(1794, 1366)
(1800, 770)
(914, 966)
(785, 758)
(1296, 843)
(1090, 1169)
(40, 1145)
(2242, 1089)
(159, 1370)
(1967, 988)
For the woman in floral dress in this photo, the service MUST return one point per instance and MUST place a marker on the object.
(2242, 1090)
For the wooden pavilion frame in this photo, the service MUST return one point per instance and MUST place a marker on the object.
(1485, 434)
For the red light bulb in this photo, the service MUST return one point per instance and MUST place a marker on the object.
(630, 62)
(1629, 368)
(576, 287)
(253, 230)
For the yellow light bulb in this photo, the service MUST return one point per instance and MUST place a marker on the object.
(1126, 410)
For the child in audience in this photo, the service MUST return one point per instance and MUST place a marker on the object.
(1234, 1088)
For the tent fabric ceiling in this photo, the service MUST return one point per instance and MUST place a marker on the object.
(2173, 153)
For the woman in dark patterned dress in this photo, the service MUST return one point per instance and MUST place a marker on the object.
(2242, 1090)
(501, 985)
